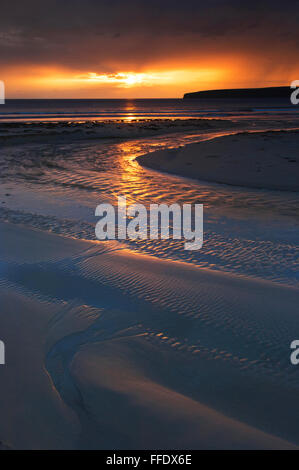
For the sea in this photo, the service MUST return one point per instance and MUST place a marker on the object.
(137, 109)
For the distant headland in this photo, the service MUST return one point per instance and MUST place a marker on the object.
(269, 92)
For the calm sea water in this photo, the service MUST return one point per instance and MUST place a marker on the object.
(130, 109)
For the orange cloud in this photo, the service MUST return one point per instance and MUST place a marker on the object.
(170, 79)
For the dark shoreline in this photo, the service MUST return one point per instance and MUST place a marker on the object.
(270, 92)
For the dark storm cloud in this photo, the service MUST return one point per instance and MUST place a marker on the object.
(101, 35)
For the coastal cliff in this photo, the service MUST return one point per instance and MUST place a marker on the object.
(270, 92)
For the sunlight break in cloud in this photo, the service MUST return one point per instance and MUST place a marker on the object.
(126, 79)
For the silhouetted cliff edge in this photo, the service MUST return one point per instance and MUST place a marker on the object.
(270, 92)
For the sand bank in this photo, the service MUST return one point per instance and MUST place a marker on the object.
(12, 133)
(266, 160)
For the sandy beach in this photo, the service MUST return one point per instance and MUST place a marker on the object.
(101, 356)
(266, 160)
(145, 345)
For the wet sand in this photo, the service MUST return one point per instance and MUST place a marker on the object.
(265, 160)
(113, 349)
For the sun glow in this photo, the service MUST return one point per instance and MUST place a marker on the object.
(169, 81)
(124, 79)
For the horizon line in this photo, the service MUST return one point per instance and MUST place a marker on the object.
(157, 98)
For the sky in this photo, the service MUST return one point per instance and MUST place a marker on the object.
(145, 49)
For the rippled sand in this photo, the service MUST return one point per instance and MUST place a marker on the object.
(142, 344)
(56, 187)
(122, 350)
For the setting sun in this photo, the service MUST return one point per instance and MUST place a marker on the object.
(133, 79)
